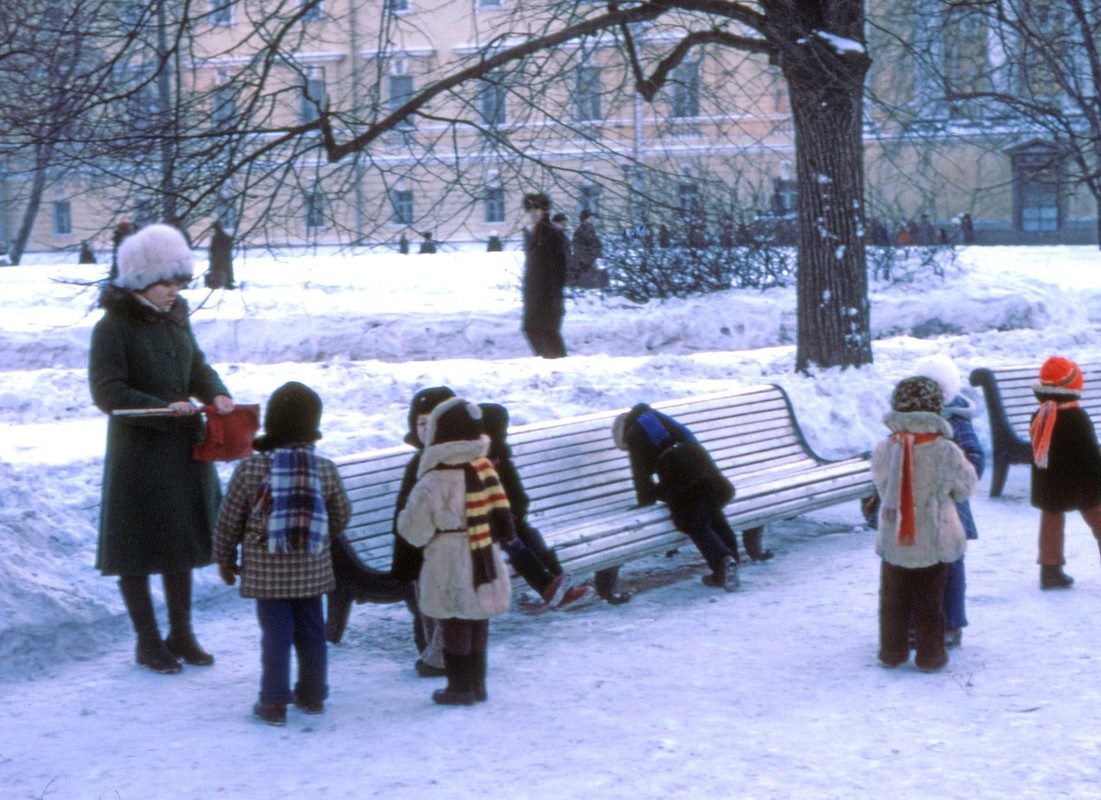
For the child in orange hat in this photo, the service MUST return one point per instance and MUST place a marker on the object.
(1066, 465)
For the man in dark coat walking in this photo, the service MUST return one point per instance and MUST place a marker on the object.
(546, 257)
(220, 272)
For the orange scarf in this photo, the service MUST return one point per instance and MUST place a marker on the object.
(1042, 426)
(899, 501)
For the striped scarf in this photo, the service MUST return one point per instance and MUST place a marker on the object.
(898, 496)
(1042, 426)
(297, 519)
(488, 516)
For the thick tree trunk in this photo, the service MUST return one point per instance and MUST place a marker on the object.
(824, 65)
(34, 203)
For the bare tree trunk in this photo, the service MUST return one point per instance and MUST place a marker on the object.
(34, 202)
(825, 75)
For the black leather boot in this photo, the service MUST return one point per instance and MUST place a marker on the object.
(460, 681)
(478, 670)
(181, 640)
(150, 651)
(1053, 577)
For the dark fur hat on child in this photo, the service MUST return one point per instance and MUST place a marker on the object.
(455, 420)
(424, 402)
(918, 394)
(293, 416)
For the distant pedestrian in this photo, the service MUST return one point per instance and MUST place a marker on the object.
(967, 228)
(219, 273)
(403, 244)
(546, 259)
(428, 245)
(282, 509)
(122, 230)
(587, 248)
(86, 254)
(494, 245)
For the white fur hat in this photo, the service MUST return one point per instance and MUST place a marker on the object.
(941, 369)
(155, 253)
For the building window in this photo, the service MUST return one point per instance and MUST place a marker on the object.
(144, 108)
(397, 6)
(221, 12)
(590, 199)
(688, 197)
(491, 101)
(401, 91)
(1038, 177)
(588, 94)
(784, 194)
(223, 106)
(494, 204)
(490, 3)
(686, 90)
(311, 9)
(63, 218)
(402, 201)
(313, 96)
(315, 209)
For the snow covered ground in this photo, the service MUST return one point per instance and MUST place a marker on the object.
(771, 692)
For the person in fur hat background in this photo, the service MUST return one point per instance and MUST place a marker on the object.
(158, 504)
(459, 513)
(1066, 465)
(959, 411)
(920, 474)
(546, 261)
(282, 509)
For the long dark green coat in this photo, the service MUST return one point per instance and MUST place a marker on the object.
(159, 506)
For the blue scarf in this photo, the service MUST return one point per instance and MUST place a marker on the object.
(298, 520)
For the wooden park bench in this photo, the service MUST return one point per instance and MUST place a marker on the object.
(582, 496)
(1010, 404)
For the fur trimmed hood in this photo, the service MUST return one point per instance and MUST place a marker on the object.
(451, 453)
(122, 303)
(917, 422)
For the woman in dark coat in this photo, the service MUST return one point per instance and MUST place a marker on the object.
(689, 482)
(159, 506)
(1066, 468)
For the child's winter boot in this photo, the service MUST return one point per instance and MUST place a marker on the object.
(1053, 577)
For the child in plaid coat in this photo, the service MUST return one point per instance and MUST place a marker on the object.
(282, 507)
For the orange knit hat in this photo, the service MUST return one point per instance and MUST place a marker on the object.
(1059, 375)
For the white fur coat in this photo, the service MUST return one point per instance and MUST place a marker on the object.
(942, 476)
(438, 503)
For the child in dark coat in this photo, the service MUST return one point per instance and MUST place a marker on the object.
(689, 482)
(959, 411)
(528, 552)
(1066, 468)
(282, 508)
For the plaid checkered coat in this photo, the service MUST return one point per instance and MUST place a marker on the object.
(272, 576)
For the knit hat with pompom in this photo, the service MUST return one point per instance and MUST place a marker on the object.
(155, 253)
(1060, 376)
(918, 394)
(943, 370)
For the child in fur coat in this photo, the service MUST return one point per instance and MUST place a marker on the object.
(282, 507)
(1066, 468)
(459, 513)
(920, 475)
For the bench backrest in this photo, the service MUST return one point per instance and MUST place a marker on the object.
(1011, 402)
(574, 474)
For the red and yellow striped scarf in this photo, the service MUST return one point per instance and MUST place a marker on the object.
(488, 516)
